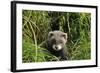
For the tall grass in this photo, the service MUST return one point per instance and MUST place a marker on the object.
(37, 25)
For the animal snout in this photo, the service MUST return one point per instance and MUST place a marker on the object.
(57, 47)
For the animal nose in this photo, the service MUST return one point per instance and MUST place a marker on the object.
(56, 47)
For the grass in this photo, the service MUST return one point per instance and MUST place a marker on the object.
(30, 54)
(37, 25)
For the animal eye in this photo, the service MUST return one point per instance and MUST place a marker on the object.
(60, 41)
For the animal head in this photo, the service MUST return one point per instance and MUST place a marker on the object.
(57, 39)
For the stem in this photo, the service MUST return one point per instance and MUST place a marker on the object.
(35, 41)
(68, 21)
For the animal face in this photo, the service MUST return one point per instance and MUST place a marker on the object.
(57, 39)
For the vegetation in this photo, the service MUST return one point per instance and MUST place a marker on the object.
(37, 24)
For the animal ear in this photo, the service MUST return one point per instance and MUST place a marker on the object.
(50, 34)
(65, 36)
